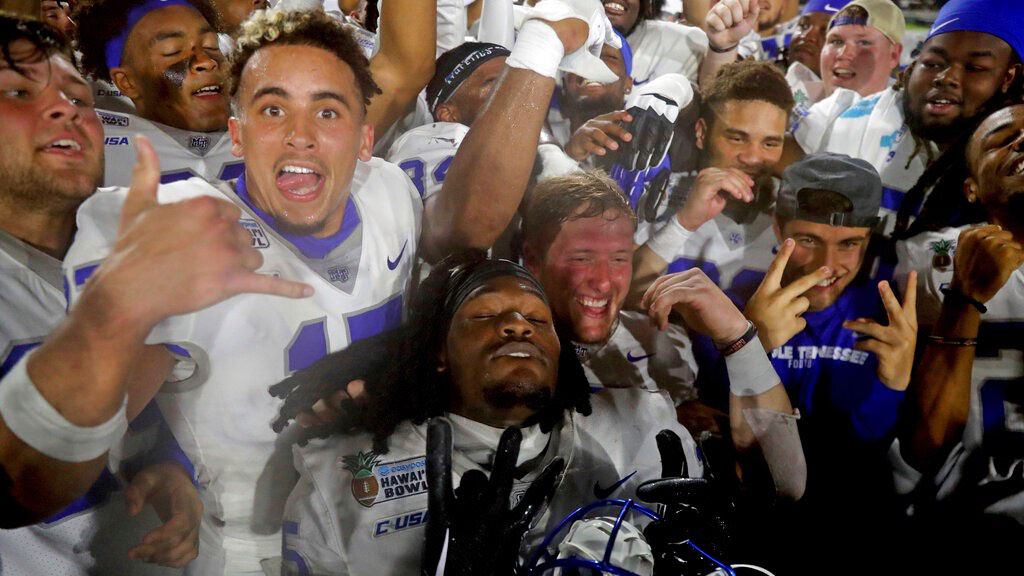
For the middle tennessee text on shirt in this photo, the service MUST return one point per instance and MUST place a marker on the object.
(824, 373)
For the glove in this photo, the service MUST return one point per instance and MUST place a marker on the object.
(655, 107)
(695, 510)
(472, 530)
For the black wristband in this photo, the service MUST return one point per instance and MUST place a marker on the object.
(959, 297)
(736, 345)
(722, 50)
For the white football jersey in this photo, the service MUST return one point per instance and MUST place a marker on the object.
(183, 154)
(664, 48)
(426, 153)
(871, 128)
(221, 413)
(734, 256)
(638, 355)
(107, 97)
(94, 533)
(996, 417)
(358, 512)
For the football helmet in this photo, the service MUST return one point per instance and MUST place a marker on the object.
(606, 537)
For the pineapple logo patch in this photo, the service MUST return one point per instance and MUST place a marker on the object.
(374, 482)
(941, 258)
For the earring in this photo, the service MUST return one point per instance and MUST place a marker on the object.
(972, 198)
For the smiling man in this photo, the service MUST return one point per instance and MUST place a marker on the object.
(843, 347)
(164, 56)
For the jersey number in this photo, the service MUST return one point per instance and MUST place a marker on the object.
(310, 342)
(416, 170)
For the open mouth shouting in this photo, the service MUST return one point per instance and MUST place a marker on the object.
(299, 182)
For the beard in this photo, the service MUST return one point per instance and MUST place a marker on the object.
(510, 394)
(36, 190)
(941, 133)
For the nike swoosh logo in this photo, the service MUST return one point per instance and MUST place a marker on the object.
(602, 493)
(943, 25)
(831, 8)
(631, 358)
(392, 264)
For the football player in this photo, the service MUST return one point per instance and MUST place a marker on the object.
(965, 404)
(480, 347)
(52, 158)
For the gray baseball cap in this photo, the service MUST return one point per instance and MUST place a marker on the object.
(853, 178)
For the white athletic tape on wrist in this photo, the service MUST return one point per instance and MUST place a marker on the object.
(537, 48)
(669, 240)
(750, 371)
(31, 418)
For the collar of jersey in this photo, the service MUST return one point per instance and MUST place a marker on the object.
(310, 246)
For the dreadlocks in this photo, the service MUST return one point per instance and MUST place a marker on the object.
(399, 367)
(946, 205)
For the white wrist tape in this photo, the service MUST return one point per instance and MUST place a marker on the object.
(668, 241)
(31, 418)
(537, 48)
(750, 371)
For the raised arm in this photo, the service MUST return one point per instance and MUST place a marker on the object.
(404, 63)
(726, 24)
(940, 390)
(761, 418)
(64, 406)
(487, 179)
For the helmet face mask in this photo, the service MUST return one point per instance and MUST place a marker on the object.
(608, 537)
(597, 539)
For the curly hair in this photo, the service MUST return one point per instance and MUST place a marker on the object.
(399, 368)
(746, 80)
(43, 38)
(99, 21)
(314, 28)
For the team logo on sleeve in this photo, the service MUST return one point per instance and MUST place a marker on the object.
(259, 237)
(941, 257)
(374, 482)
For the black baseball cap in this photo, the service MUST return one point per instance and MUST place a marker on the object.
(852, 178)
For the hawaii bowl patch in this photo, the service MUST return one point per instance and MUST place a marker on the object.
(374, 482)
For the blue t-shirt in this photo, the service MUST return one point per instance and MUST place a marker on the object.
(827, 378)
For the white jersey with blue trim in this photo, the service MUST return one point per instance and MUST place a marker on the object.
(638, 355)
(426, 153)
(94, 533)
(358, 512)
(665, 48)
(221, 413)
(734, 256)
(873, 129)
(183, 154)
(995, 423)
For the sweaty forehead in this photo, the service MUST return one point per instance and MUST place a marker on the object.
(1009, 118)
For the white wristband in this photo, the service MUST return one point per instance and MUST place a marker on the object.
(537, 48)
(668, 241)
(31, 418)
(750, 371)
